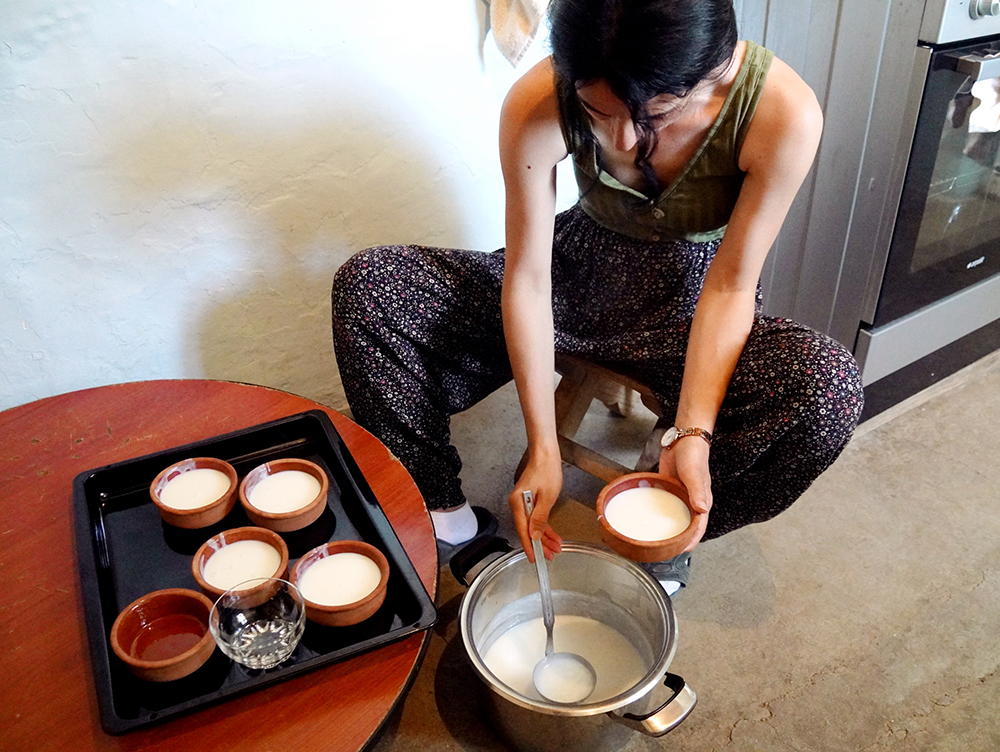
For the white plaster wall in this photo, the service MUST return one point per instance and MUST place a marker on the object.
(179, 179)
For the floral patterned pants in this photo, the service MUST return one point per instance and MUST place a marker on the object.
(418, 337)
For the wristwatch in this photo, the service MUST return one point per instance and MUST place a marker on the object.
(674, 433)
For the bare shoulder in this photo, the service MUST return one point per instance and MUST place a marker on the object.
(785, 93)
(534, 93)
(788, 121)
(529, 119)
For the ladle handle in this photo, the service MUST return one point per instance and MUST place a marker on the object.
(548, 612)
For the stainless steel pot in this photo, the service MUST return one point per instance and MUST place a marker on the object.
(596, 583)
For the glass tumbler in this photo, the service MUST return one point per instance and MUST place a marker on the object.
(259, 623)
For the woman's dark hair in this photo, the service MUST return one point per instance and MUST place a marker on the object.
(642, 49)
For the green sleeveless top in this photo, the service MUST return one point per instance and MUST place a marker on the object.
(697, 205)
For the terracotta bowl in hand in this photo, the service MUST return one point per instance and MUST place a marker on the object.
(646, 525)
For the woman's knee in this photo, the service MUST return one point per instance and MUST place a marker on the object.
(814, 375)
(822, 380)
(363, 279)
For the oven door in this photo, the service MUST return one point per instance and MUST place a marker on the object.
(947, 234)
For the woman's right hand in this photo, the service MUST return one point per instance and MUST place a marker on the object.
(543, 477)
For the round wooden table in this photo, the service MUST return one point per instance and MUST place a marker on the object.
(47, 693)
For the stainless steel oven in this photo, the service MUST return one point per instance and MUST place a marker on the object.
(941, 279)
(947, 235)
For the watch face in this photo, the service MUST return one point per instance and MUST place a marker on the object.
(669, 437)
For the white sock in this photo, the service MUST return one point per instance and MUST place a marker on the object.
(456, 525)
(670, 586)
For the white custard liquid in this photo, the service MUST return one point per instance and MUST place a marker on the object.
(647, 514)
(340, 579)
(194, 488)
(513, 656)
(239, 561)
(284, 491)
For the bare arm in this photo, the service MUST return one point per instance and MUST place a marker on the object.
(531, 144)
(777, 154)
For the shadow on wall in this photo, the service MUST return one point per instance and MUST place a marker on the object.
(283, 203)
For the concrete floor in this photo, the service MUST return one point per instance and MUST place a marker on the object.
(867, 617)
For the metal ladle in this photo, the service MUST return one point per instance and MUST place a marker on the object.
(573, 676)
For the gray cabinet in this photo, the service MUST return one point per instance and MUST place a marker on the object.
(857, 56)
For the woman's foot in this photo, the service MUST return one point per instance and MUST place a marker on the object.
(484, 525)
(456, 525)
(670, 587)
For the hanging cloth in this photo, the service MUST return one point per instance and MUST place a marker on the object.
(514, 24)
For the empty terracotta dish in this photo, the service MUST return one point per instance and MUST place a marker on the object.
(646, 517)
(234, 557)
(195, 492)
(285, 495)
(343, 582)
(164, 635)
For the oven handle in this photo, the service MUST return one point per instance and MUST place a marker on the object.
(977, 67)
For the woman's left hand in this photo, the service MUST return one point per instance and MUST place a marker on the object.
(687, 463)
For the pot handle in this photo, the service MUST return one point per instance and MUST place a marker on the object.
(476, 555)
(666, 717)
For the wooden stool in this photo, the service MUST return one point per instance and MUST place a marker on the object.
(582, 382)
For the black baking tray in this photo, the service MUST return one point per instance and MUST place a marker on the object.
(125, 550)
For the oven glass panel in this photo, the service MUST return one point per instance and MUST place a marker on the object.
(947, 234)
(963, 200)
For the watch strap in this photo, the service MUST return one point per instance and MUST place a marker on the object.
(674, 433)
